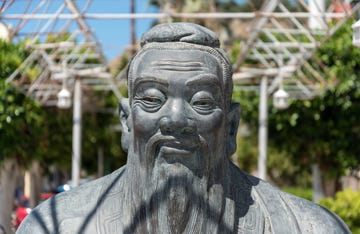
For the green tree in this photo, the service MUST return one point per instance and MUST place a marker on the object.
(20, 126)
(347, 205)
(30, 133)
(281, 168)
(324, 130)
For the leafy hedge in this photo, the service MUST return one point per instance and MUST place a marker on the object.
(346, 204)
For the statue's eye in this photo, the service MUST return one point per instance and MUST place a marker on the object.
(203, 102)
(150, 99)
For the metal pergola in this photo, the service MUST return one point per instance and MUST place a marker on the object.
(278, 51)
(281, 45)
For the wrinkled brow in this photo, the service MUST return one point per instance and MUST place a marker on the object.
(204, 79)
(174, 65)
(149, 78)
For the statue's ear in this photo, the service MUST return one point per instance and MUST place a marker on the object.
(233, 123)
(124, 121)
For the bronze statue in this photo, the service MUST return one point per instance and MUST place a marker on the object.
(179, 128)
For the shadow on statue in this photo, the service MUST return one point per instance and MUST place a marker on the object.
(139, 218)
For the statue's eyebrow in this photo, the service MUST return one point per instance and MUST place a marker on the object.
(178, 65)
(204, 79)
(149, 78)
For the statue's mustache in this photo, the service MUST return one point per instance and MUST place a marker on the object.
(196, 145)
(190, 143)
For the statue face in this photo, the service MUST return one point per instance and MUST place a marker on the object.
(177, 110)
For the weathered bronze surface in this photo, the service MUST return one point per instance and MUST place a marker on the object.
(179, 128)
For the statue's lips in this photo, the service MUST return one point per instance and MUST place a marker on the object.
(178, 147)
(174, 151)
(173, 148)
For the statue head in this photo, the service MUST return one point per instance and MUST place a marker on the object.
(179, 109)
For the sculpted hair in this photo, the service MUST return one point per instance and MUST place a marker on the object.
(187, 36)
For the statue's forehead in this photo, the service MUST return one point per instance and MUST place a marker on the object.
(186, 59)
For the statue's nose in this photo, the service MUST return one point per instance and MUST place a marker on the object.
(177, 120)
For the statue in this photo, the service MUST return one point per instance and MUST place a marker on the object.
(179, 128)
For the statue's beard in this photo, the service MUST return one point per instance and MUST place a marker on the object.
(174, 202)
(178, 194)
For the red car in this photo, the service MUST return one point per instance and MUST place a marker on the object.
(23, 209)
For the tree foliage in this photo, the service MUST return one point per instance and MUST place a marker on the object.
(29, 131)
(346, 204)
(20, 117)
(324, 130)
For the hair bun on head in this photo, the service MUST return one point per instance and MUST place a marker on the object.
(181, 32)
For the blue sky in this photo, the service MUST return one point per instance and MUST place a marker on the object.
(114, 34)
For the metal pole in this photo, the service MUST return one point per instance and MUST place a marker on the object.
(132, 28)
(317, 182)
(100, 161)
(263, 128)
(76, 141)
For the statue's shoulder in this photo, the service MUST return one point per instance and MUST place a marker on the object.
(73, 208)
(271, 210)
(306, 216)
(314, 216)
